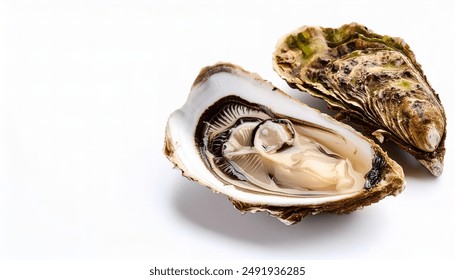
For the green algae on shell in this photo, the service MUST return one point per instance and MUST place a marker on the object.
(374, 81)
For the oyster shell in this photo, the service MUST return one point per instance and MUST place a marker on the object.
(241, 136)
(374, 80)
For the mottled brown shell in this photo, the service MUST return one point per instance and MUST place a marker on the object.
(374, 81)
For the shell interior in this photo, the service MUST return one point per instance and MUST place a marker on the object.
(243, 137)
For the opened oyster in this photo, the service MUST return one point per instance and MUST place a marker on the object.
(374, 80)
(241, 136)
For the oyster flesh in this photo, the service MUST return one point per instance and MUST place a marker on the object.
(374, 80)
(241, 136)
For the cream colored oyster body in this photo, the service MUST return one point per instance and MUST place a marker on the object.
(241, 136)
(374, 80)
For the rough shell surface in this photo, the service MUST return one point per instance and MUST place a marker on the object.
(241, 136)
(374, 80)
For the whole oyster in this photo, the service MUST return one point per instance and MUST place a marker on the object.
(241, 136)
(374, 80)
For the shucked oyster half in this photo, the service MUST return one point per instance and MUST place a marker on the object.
(241, 136)
(374, 80)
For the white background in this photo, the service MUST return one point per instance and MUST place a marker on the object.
(85, 91)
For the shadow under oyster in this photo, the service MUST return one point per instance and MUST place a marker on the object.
(374, 80)
(241, 136)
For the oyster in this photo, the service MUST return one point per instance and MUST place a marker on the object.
(374, 80)
(241, 136)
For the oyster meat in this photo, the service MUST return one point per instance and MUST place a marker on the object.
(241, 136)
(374, 80)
